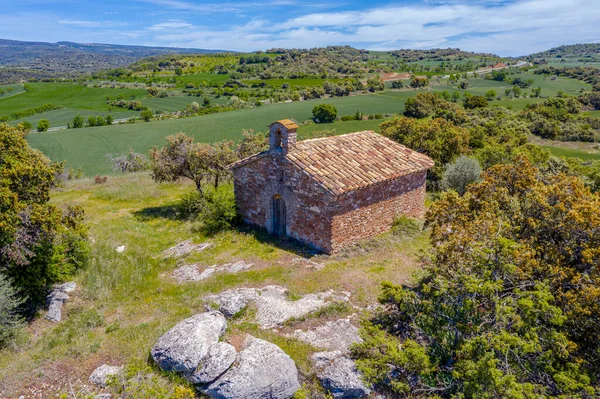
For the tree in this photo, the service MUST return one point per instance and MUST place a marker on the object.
(507, 305)
(516, 91)
(419, 82)
(438, 138)
(536, 92)
(251, 143)
(473, 102)
(40, 243)
(460, 173)
(25, 126)
(180, 158)
(43, 125)
(396, 84)
(78, 122)
(146, 115)
(324, 113)
(109, 119)
(490, 95)
(464, 85)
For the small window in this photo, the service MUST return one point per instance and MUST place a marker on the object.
(281, 176)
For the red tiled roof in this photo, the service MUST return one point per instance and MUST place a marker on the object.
(351, 161)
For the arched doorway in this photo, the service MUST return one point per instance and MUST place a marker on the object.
(278, 215)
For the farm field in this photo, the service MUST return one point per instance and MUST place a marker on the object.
(60, 117)
(66, 95)
(87, 148)
(339, 127)
(11, 90)
(125, 301)
(178, 103)
(573, 153)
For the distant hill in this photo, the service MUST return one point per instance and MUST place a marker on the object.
(49, 59)
(571, 50)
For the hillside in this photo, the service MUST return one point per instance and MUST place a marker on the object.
(67, 58)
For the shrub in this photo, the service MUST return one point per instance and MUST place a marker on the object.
(473, 102)
(78, 122)
(405, 226)
(100, 179)
(324, 113)
(10, 319)
(146, 115)
(41, 243)
(132, 162)
(459, 174)
(43, 125)
(215, 209)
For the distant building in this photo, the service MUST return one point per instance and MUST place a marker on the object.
(329, 192)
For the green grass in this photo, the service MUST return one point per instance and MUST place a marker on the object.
(292, 82)
(340, 127)
(571, 153)
(87, 148)
(17, 88)
(61, 117)
(126, 301)
(594, 114)
(179, 103)
(66, 95)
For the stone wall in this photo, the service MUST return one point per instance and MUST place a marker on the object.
(307, 215)
(371, 211)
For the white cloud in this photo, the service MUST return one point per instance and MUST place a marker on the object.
(171, 24)
(78, 22)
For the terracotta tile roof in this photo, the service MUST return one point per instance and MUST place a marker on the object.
(287, 123)
(351, 161)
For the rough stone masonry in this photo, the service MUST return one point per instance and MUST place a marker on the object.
(329, 192)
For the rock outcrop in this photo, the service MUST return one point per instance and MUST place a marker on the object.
(272, 303)
(262, 370)
(338, 375)
(184, 346)
(218, 359)
(102, 374)
(55, 300)
(335, 335)
(185, 248)
(189, 273)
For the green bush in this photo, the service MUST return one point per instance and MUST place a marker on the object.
(459, 174)
(405, 226)
(43, 125)
(324, 113)
(214, 209)
(41, 243)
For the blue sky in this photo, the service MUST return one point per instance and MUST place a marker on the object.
(505, 27)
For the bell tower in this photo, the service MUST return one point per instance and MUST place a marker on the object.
(282, 136)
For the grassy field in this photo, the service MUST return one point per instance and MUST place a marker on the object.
(595, 114)
(66, 95)
(61, 117)
(178, 103)
(87, 148)
(125, 301)
(15, 89)
(573, 153)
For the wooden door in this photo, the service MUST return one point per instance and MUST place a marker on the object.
(279, 216)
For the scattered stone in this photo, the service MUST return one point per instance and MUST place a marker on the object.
(189, 273)
(231, 302)
(262, 370)
(218, 359)
(120, 249)
(185, 248)
(339, 376)
(334, 335)
(66, 287)
(55, 300)
(308, 263)
(185, 345)
(102, 374)
(273, 306)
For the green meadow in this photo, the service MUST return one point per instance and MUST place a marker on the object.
(61, 117)
(66, 95)
(87, 148)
